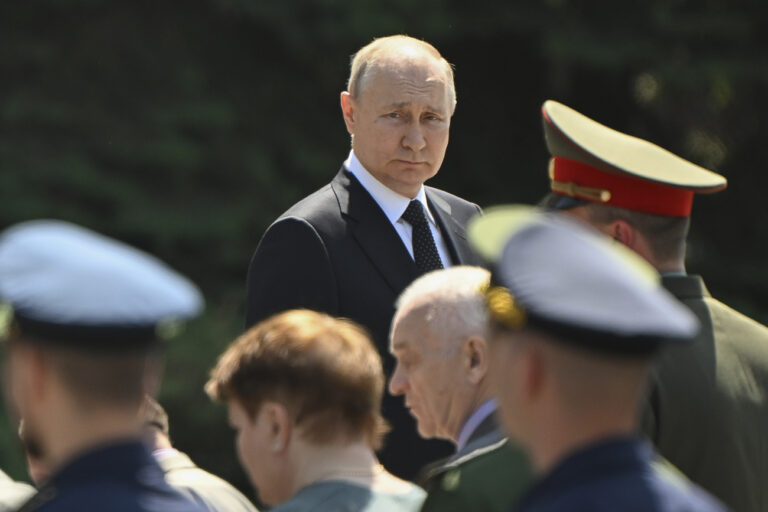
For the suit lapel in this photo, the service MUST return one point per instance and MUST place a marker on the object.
(454, 233)
(373, 232)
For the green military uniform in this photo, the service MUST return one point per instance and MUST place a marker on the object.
(487, 479)
(216, 494)
(13, 494)
(707, 410)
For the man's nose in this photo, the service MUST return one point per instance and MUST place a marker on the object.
(414, 137)
(397, 382)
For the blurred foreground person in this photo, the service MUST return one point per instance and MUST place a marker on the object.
(575, 321)
(303, 391)
(13, 494)
(439, 338)
(209, 491)
(706, 410)
(215, 494)
(83, 350)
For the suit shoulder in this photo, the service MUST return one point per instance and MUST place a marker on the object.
(454, 200)
(726, 315)
(317, 209)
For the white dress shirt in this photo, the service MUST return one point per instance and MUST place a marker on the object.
(393, 205)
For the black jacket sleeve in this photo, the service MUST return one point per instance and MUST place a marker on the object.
(290, 269)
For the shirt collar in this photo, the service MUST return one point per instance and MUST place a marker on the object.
(392, 203)
(475, 419)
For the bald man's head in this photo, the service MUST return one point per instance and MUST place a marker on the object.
(385, 52)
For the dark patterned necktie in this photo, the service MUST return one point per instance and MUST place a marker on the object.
(424, 249)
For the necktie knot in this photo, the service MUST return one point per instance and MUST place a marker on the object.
(414, 214)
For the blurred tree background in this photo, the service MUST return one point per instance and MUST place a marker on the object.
(186, 127)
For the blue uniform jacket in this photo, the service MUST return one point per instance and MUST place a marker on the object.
(121, 477)
(618, 474)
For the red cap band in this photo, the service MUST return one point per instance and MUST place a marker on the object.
(626, 191)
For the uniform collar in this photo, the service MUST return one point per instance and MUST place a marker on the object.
(392, 203)
(685, 286)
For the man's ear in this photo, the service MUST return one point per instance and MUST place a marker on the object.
(534, 373)
(38, 370)
(348, 109)
(476, 359)
(623, 232)
(280, 425)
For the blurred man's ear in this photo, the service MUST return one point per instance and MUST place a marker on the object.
(34, 370)
(348, 111)
(280, 424)
(534, 373)
(623, 232)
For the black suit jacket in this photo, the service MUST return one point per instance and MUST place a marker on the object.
(335, 251)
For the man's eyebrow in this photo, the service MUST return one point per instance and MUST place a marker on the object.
(436, 110)
(399, 104)
(404, 104)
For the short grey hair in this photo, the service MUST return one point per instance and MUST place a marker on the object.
(371, 55)
(455, 300)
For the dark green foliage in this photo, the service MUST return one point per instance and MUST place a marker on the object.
(186, 127)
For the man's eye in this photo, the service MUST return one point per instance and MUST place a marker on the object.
(432, 117)
(394, 115)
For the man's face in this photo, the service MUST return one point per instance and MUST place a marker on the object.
(400, 122)
(428, 375)
(253, 443)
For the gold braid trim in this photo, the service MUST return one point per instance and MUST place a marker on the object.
(574, 190)
(503, 308)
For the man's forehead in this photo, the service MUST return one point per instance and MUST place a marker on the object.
(394, 77)
(410, 327)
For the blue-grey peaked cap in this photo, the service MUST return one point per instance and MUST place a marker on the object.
(572, 281)
(69, 280)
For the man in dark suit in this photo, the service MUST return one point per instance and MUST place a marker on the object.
(350, 248)
(439, 338)
(706, 406)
